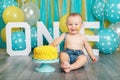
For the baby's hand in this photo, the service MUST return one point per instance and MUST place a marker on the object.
(94, 59)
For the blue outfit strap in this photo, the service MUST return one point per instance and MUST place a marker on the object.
(65, 36)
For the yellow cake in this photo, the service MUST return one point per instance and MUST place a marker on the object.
(45, 53)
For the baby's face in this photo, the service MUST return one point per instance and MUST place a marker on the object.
(74, 24)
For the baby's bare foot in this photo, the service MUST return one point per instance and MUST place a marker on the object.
(66, 70)
(65, 66)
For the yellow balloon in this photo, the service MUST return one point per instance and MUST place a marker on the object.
(62, 23)
(107, 23)
(16, 29)
(90, 32)
(13, 14)
(3, 33)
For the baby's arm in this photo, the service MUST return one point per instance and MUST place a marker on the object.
(58, 40)
(89, 50)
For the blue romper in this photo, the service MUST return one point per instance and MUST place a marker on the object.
(73, 54)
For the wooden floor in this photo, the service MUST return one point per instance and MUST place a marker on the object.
(22, 68)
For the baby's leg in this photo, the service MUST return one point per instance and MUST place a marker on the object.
(81, 61)
(64, 58)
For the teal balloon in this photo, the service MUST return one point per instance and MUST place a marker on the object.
(108, 41)
(18, 41)
(6, 3)
(34, 37)
(112, 10)
(98, 9)
(3, 5)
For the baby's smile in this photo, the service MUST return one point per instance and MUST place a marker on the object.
(74, 29)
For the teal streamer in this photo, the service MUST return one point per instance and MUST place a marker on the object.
(72, 7)
(37, 2)
(64, 7)
(90, 16)
(50, 26)
(78, 6)
(56, 11)
(43, 11)
(75, 6)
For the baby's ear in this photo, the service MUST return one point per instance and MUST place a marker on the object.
(82, 24)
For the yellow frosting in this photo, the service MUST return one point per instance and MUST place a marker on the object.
(45, 53)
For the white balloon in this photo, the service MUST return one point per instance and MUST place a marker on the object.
(31, 12)
(116, 27)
